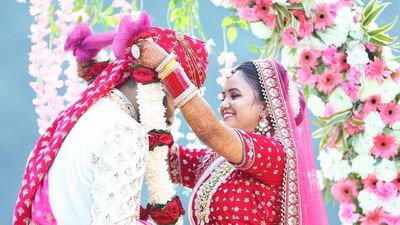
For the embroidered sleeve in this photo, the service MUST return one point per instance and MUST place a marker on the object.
(263, 158)
(186, 165)
(118, 167)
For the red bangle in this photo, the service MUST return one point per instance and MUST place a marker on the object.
(179, 86)
(177, 82)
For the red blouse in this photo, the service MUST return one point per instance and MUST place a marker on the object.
(247, 193)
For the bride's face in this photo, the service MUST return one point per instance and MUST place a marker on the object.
(240, 107)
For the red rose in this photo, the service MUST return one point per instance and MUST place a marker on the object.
(153, 140)
(169, 214)
(143, 75)
(166, 139)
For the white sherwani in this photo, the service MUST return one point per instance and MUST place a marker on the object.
(98, 173)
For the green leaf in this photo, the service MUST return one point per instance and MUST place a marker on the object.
(254, 49)
(356, 122)
(384, 38)
(321, 131)
(243, 24)
(383, 29)
(232, 34)
(368, 8)
(108, 11)
(227, 21)
(172, 4)
(378, 42)
(79, 20)
(174, 15)
(374, 14)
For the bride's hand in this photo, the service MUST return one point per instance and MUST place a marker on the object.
(151, 54)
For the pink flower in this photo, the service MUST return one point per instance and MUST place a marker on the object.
(351, 128)
(373, 217)
(306, 27)
(386, 191)
(345, 190)
(396, 182)
(328, 81)
(351, 89)
(385, 146)
(369, 183)
(248, 14)
(389, 112)
(263, 11)
(240, 3)
(377, 70)
(370, 47)
(309, 58)
(305, 76)
(324, 16)
(289, 38)
(371, 103)
(353, 75)
(341, 62)
(328, 56)
(329, 110)
(392, 219)
(348, 3)
(346, 213)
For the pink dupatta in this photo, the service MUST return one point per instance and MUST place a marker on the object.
(302, 198)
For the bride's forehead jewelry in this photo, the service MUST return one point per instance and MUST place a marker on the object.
(231, 72)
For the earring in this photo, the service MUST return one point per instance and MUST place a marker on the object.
(263, 127)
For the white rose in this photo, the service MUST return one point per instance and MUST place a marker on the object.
(316, 105)
(389, 89)
(312, 42)
(368, 201)
(340, 170)
(373, 124)
(335, 35)
(393, 206)
(340, 100)
(344, 18)
(386, 170)
(389, 58)
(363, 165)
(396, 125)
(362, 143)
(356, 54)
(289, 57)
(260, 30)
(329, 158)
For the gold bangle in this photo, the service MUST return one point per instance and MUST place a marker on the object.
(168, 71)
(172, 61)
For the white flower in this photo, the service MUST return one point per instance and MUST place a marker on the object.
(289, 57)
(331, 160)
(389, 89)
(393, 206)
(209, 44)
(368, 201)
(356, 54)
(362, 143)
(389, 58)
(340, 100)
(312, 42)
(335, 35)
(344, 18)
(363, 165)
(321, 178)
(396, 125)
(386, 170)
(373, 124)
(316, 105)
(369, 88)
(260, 30)
(223, 3)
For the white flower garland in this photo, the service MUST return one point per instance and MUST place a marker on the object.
(150, 99)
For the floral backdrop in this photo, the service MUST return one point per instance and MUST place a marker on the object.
(334, 49)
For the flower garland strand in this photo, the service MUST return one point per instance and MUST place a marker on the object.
(150, 99)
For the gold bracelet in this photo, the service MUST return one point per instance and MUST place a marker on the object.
(168, 71)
